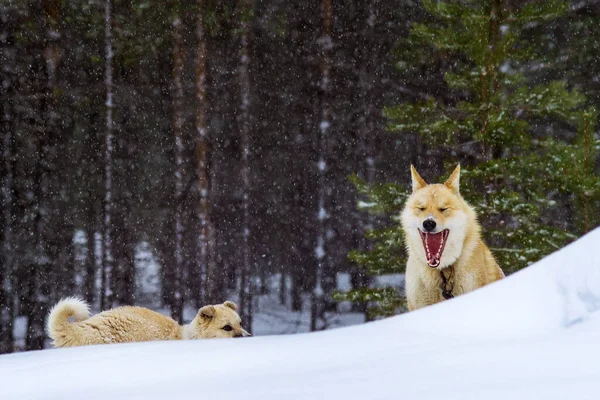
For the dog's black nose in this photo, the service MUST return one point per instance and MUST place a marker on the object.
(429, 225)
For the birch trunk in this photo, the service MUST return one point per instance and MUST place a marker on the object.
(317, 320)
(107, 224)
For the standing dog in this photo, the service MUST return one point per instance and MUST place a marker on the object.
(136, 324)
(446, 256)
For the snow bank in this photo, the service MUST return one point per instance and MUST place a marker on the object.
(531, 336)
(561, 290)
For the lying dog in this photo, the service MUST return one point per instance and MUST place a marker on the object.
(446, 256)
(136, 324)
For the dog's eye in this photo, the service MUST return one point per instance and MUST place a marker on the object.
(443, 209)
(227, 328)
(421, 208)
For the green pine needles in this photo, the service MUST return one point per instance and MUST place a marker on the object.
(527, 146)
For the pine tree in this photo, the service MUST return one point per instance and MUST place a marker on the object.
(578, 178)
(386, 255)
(514, 136)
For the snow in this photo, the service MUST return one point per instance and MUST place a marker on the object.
(271, 318)
(364, 204)
(323, 215)
(533, 335)
(322, 165)
(319, 251)
(147, 267)
(389, 280)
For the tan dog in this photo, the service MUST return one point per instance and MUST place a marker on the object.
(446, 256)
(136, 324)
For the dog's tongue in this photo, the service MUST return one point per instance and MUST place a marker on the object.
(434, 246)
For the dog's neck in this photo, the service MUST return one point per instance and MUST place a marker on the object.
(188, 331)
(469, 244)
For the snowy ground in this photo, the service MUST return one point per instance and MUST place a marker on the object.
(531, 336)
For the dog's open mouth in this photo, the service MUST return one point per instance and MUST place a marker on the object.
(434, 244)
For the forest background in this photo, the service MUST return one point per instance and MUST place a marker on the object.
(245, 149)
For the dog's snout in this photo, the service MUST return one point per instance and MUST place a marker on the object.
(429, 225)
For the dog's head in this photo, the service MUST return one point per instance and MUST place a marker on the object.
(436, 220)
(217, 321)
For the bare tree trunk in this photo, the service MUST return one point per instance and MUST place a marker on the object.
(366, 129)
(90, 260)
(178, 119)
(296, 292)
(588, 168)
(6, 258)
(209, 277)
(123, 237)
(368, 111)
(107, 224)
(93, 263)
(318, 297)
(125, 266)
(246, 11)
(45, 258)
(282, 288)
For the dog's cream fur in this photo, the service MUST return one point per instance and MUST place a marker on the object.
(136, 324)
(474, 264)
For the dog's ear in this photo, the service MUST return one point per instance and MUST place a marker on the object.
(417, 181)
(454, 180)
(231, 305)
(207, 312)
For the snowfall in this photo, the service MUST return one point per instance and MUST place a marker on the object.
(534, 335)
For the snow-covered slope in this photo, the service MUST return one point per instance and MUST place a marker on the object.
(535, 335)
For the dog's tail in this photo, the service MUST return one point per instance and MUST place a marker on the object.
(58, 323)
